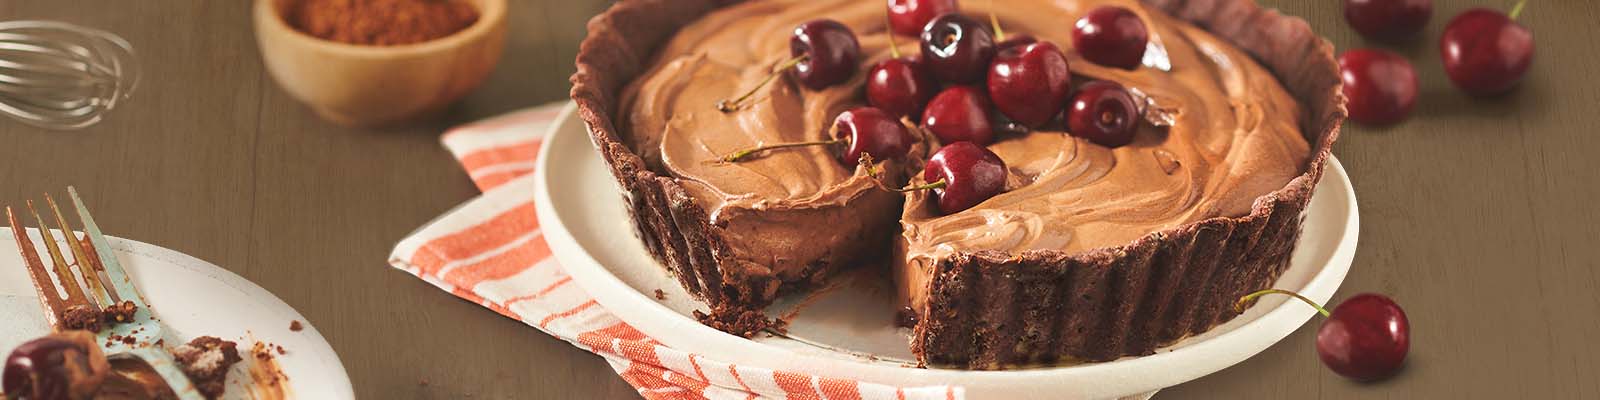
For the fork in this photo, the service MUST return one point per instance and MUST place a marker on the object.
(78, 298)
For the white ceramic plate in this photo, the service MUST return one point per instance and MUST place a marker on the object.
(194, 298)
(849, 332)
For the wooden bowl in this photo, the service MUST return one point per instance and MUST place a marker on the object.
(362, 85)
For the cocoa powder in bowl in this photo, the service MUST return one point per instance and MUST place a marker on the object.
(379, 22)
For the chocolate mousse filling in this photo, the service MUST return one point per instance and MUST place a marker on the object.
(1091, 254)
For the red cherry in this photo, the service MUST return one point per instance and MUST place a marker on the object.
(1381, 86)
(862, 129)
(828, 53)
(67, 365)
(959, 114)
(1111, 36)
(1388, 19)
(907, 17)
(825, 53)
(900, 86)
(1029, 82)
(957, 49)
(1104, 113)
(871, 131)
(1485, 52)
(970, 175)
(1365, 338)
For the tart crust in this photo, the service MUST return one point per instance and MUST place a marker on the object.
(675, 229)
(989, 309)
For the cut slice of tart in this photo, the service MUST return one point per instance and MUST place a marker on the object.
(734, 234)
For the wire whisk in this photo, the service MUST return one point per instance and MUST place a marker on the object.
(57, 75)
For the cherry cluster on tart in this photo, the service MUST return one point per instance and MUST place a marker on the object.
(1049, 180)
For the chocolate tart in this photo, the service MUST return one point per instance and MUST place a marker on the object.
(983, 308)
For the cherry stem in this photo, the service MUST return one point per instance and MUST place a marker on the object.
(736, 104)
(866, 162)
(999, 34)
(741, 154)
(940, 184)
(894, 47)
(1239, 306)
(1516, 10)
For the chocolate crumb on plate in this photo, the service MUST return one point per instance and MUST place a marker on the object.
(660, 295)
(206, 361)
(294, 326)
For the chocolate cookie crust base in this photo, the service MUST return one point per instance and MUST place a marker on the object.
(675, 229)
(992, 310)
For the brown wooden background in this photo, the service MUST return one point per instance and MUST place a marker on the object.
(1478, 215)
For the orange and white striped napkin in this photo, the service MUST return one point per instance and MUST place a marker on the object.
(490, 251)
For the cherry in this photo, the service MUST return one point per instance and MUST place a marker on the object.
(1104, 113)
(1381, 85)
(1111, 36)
(872, 131)
(963, 174)
(959, 114)
(1029, 82)
(1365, 338)
(900, 85)
(1485, 52)
(828, 51)
(825, 53)
(864, 130)
(67, 365)
(957, 49)
(1388, 19)
(907, 17)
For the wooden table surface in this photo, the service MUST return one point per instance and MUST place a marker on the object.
(1478, 215)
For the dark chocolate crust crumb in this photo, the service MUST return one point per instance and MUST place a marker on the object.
(119, 313)
(81, 317)
(206, 361)
(294, 326)
(660, 295)
(778, 327)
(906, 317)
(744, 323)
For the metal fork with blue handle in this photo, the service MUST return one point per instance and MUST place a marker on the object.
(94, 287)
